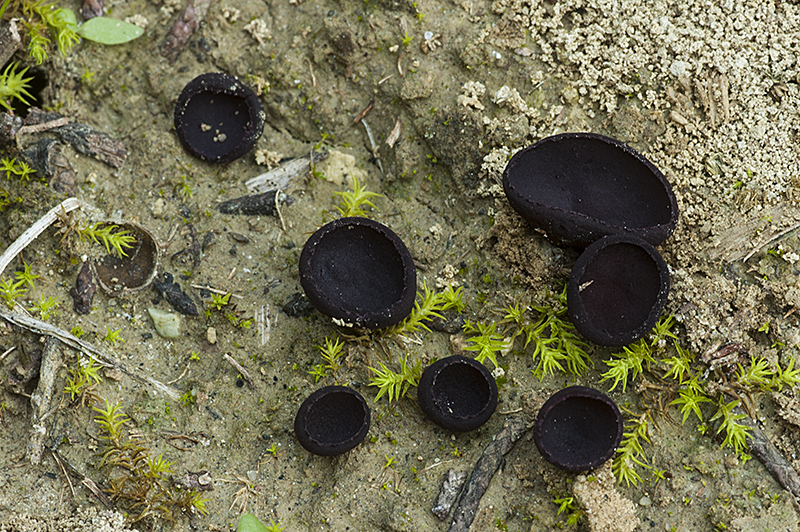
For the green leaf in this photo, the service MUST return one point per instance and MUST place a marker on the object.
(109, 31)
(67, 17)
(249, 522)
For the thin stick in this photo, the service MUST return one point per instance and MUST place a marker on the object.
(58, 461)
(771, 457)
(241, 370)
(364, 112)
(215, 290)
(278, 209)
(30, 234)
(182, 374)
(92, 351)
(7, 352)
(374, 147)
(46, 126)
(86, 481)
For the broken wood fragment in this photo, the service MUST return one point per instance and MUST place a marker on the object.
(250, 205)
(47, 158)
(42, 398)
(485, 468)
(279, 178)
(91, 142)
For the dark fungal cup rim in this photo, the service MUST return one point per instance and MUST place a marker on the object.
(222, 84)
(399, 293)
(577, 308)
(575, 228)
(432, 407)
(573, 393)
(330, 448)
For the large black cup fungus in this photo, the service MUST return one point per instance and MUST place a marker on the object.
(578, 187)
(332, 420)
(457, 393)
(358, 272)
(617, 290)
(578, 428)
(217, 118)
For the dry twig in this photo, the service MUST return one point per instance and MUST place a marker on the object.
(485, 468)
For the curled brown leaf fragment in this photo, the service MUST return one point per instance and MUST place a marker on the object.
(83, 292)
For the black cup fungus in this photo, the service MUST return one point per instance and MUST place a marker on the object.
(217, 118)
(332, 420)
(617, 290)
(578, 187)
(578, 428)
(358, 272)
(457, 393)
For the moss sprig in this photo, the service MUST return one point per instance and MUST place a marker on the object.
(10, 291)
(428, 305)
(110, 235)
(635, 358)
(82, 377)
(396, 385)
(630, 453)
(353, 201)
(555, 344)
(332, 353)
(14, 86)
(44, 21)
(487, 342)
(137, 479)
(736, 434)
(691, 396)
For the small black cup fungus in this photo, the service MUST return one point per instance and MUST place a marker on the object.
(457, 393)
(332, 420)
(358, 272)
(217, 118)
(617, 290)
(578, 187)
(578, 428)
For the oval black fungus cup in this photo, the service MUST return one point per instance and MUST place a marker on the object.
(617, 290)
(578, 428)
(578, 187)
(332, 420)
(217, 118)
(457, 393)
(358, 272)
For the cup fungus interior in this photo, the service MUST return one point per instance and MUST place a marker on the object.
(594, 178)
(332, 420)
(621, 287)
(578, 187)
(360, 268)
(460, 390)
(336, 418)
(578, 431)
(358, 271)
(217, 118)
(136, 270)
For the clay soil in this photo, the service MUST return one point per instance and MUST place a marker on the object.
(708, 91)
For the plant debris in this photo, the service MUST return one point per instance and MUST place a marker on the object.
(83, 292)
(175, 296)
(251, 205)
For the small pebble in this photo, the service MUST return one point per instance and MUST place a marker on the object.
(211, 335)
(167, 324)
(645, 501)
(159, 207)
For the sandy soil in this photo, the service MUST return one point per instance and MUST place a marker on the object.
(708, 91)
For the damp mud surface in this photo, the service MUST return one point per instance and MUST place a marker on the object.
(707, 91)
